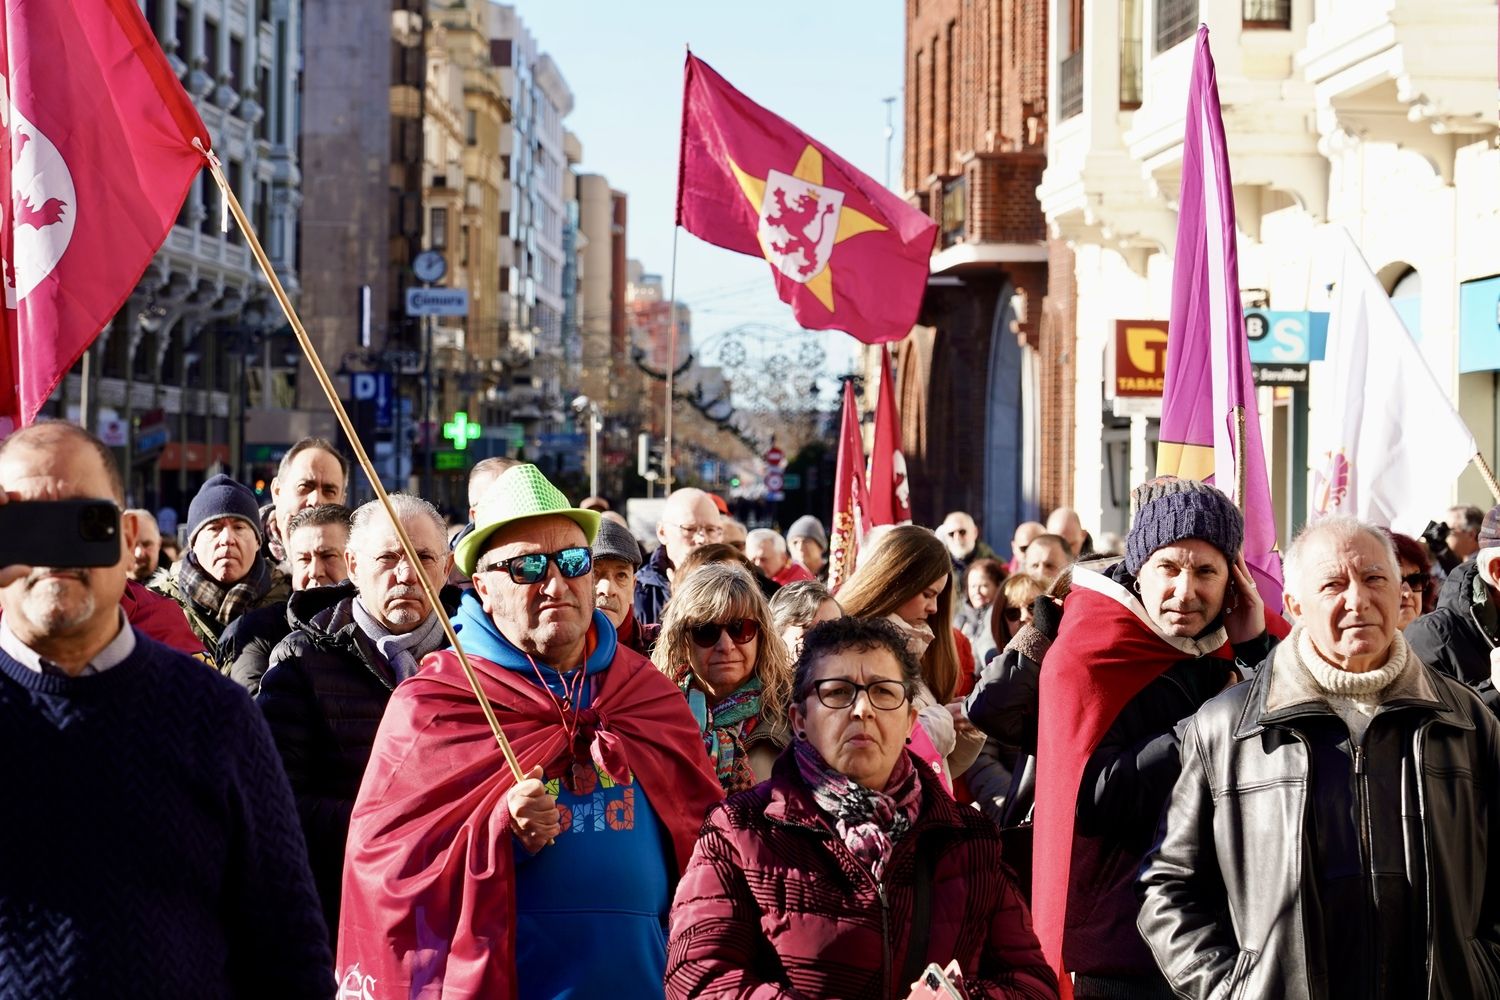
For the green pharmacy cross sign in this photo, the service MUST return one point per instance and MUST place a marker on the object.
(460, 431)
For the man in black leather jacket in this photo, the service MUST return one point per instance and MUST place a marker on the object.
(1329, 833)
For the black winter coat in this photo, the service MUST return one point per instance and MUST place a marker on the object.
(1456, 638)
(323, 696)
(1293, 865)
(246, 645)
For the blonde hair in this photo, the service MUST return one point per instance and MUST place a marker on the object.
(714, 592)
(905, 560)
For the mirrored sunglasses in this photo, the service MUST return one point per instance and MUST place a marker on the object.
(532, 567)
(741, 631)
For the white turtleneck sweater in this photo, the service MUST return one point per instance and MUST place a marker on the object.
(1354, 697)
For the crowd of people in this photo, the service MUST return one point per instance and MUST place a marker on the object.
(1101, 766)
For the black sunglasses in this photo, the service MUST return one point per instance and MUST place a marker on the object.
(532, 567)
(1012, 614)
(1416, 581)
(741, 631)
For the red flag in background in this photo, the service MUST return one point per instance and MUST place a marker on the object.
(96, 157)
(845, 252)
(890, 490)
(851, 502)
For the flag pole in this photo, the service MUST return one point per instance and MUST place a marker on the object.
(1240, 484)
(1488, 474)
(666, 457)
(359, 450)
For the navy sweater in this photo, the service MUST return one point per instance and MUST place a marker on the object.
(149, 846)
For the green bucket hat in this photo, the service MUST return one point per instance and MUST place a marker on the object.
(521, 493)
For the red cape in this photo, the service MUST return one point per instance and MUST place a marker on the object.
(1105, 653)
(428, 897)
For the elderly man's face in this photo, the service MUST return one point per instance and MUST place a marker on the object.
(226, 548)
(1461, 541)
(62, 604)
(734, 533)
(316, 555)
(1045, 561)
(384, 576)
(146, 552)
(1183, 586)
(313, 477)
(959, 533)
(1348, 597)
(1025, 532)
(767, 556)
(547, 619)
(808, 552)
(689, 521)
(614, 588)
(1065, 522)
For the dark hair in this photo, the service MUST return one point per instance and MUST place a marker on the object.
(1057, 540)
(321, 444)
(49, 428)
(713, 552)
(1408, 549)
(317, 517)
(862, 635)
(991, 568)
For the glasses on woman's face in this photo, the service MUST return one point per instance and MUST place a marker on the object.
(532, 567)
(837, 693)
(1416, 581)
(741, 631)
(1012, 614)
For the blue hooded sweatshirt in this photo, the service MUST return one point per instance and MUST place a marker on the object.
(591, 910)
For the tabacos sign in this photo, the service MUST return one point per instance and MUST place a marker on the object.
(1140, 357)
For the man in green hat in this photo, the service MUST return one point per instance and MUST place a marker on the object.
(458, 877)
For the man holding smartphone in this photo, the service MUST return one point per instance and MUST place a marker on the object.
(115, 866)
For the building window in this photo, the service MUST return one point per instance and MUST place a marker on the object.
(1070, 86)
(1130, 54)
(471, 127)
(211, 49)
(438, 233)
(263, 95)
(1267, 13)
(182, 28)
(236, 184)
(236, 68)
(1176, 21)
(500, 51)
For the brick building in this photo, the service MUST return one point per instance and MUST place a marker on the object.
(974, 392)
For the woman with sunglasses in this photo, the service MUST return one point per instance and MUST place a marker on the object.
(718, 644)
(907, 578)
(851, 869)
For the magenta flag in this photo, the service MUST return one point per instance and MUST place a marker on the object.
(1208, 376)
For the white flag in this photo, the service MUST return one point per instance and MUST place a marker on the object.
(1389, 443)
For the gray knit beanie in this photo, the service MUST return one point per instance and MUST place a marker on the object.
(1169, 509)
(808, 526)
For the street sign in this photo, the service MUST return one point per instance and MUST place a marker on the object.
(437, 302)
(774, 482)
(1285, 338)
(791, 481)
(1140, 358)
(449, 461)
(775, 456)
(1295, 375)
(460, 431)
(378, 388)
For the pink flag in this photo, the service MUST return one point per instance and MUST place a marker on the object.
(1208, 379)
(890, 490)
(845, 252)
(851, 501)
(96, 155)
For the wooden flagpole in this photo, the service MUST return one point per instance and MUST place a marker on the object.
(1488, 474)
(359, 449)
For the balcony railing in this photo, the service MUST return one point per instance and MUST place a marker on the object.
(1267, 13)
(1176, 20)
(1070, 86)
(1130, 73)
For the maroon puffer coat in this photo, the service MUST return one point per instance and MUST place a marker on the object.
(773, 905)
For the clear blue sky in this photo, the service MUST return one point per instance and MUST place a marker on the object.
(824, 65)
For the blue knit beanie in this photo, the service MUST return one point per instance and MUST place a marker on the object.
(222, 497)
(1169, 509)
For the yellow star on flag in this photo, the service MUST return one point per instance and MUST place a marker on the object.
(851, 222)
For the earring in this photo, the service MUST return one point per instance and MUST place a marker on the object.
(801, 734)
(908, 741)
(1136, 586)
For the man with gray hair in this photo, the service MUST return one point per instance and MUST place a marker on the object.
(768, 551)
(1328, 832)
(330, 679)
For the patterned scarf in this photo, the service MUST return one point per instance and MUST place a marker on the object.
(222, 603)
(724, 727)
(870, 823)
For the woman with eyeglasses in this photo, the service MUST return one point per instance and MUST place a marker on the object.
(851, 869)
(718, 644)
(907, 578)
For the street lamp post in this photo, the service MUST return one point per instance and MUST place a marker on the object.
(580, 405)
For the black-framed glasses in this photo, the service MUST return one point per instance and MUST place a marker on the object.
(532, 567)
(836, 693)
(1416, 581)
(710, 532)
(1012, 614)
(741, 631)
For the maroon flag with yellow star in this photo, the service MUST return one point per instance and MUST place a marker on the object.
(845, 252)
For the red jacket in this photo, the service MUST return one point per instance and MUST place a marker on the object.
(773, 905)
(159, 617)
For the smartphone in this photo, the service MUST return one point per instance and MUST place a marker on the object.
(937, 984)
(63, 534)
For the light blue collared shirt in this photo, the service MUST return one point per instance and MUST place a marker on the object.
(121, 646)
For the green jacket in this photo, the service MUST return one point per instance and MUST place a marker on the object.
(204, 625)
